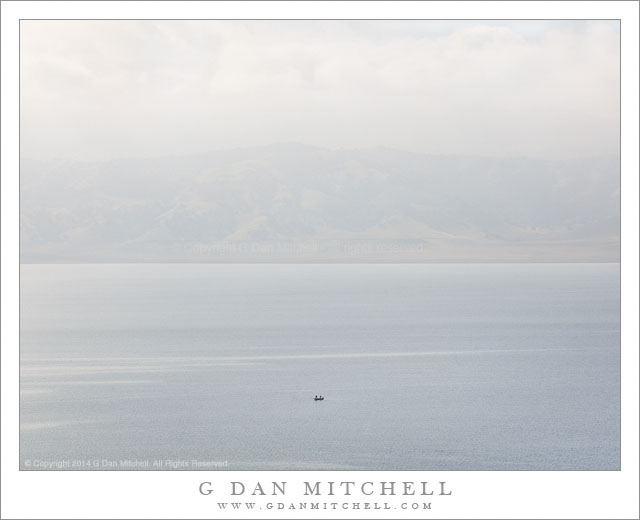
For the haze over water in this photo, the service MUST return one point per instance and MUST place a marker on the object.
(424, 367)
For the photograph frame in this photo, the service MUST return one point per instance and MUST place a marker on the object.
(474, 494)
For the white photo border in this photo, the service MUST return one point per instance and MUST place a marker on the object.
(475, 494)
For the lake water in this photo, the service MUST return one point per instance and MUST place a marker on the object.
(424, 367)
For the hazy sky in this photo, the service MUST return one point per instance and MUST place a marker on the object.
(104, 89)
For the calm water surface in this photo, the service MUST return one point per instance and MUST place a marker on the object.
(442, 367)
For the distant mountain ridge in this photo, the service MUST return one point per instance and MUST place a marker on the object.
(293, 202)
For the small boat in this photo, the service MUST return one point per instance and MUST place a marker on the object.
(318, 398)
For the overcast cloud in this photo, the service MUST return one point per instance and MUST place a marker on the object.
(105, 89)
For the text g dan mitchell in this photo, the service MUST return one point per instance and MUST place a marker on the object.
(329, 488)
